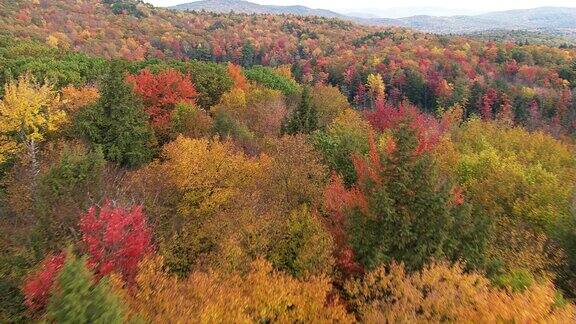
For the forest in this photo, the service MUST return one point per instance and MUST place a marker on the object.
(160, 166)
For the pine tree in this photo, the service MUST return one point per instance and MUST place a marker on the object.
(305, 118)
(78, 300)
(399, 210)
(117, 121)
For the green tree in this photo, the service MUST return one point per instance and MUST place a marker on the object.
(305, 247)
(78, 300)
(211, 81)
(305, 118)
(271, 79)
(346, 136)
(117, 122)
(401, 210)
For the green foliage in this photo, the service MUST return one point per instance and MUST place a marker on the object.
(60, 67)
(270, 79)
(119, 7)
(64, 191)
(226, 126)
(305, 247)
(518, 280)
(211, 80)
(74, 170)
(410, 216)
(117, 122)
(78, 300)
(305, 118)
(345, 137)
(13, 267)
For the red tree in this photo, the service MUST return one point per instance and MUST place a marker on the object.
(487, 104)
(37, 286)
(117, 239)
(161, 92)
(387, 116)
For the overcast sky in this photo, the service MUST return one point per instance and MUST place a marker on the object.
(484, 5)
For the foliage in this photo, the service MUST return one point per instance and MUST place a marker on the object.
(295, 175)
(161, 93)
(262, 295)
(210, 80)
(304, 119)
(77, 299)
(306, 247)
(64, 191)
(28, 112)
(329, 103)
(116, 239)
(191, 121)
(117, 122)
(225, 128)
(399, 210)
(269, 78)
(446, 293)
(345, 137)
(521, 181)
(40, 284)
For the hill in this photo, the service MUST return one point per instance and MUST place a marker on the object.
(168, 166)
(239, 6)
(552, 19)
(555, 21)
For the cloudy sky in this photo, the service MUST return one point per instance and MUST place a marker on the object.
(484, 5)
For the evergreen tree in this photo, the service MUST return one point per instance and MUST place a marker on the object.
(117, 121)
(404, 213)
(78, 300)
(305, 118)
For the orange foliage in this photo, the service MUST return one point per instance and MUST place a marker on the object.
(443, 293)
(262, 295)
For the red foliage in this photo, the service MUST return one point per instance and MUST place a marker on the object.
(511, 68)
(37, 286)
(161, 92)
(457, 196)
(535, 118)
(487, 104)
(360, 97)
(338, 198)
(506, 112)
(117, 240)
(387, 116)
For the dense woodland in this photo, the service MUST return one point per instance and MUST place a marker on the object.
(162, 166)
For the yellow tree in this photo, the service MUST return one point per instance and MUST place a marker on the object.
(444, 293)
(261, 295)
(28, 112)
(376, 87)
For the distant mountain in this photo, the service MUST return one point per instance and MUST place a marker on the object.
(239, 6)
(554, 19)
(401, 12)
(557, 21)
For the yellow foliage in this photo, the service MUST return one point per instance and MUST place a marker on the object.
(27, 112)
(329, 103)
(285, 71)
(375, 85)
(522, 182)
(443, 293)
(52, 41)
(208, 172)
(262, 295)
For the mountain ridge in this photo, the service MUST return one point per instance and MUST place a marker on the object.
(554, 20)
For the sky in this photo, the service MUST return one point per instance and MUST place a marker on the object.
(484, 5)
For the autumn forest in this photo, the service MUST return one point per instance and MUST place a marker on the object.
(159, 166)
